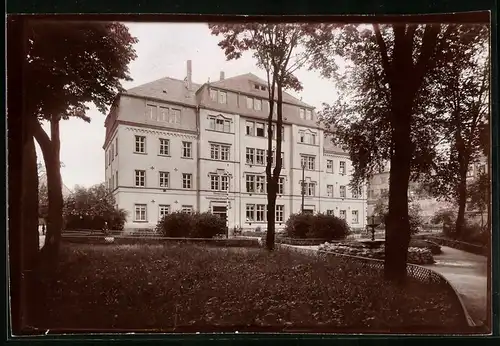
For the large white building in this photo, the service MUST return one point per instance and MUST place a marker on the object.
(174, 145)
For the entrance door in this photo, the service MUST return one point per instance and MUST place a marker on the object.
(220, 211)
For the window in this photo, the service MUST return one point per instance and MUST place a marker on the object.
(250, 183)
(224, 183)
(281, 185)
(175, 116)
(282, 160)
(250, 126)
(222, 97)
(302, 113)
(164, 179)
(163, 210)
(222, 125)
(213, 95)
(164, 147)
(355, 216)
(310, 189)
(330, 212)
(163, 115)
(313, 138)
(302, 137)
(329, 190)
(112, 151)
(186, 180)
(356, 193)
(116, 146)
(140, 212)
(259, 156)
(250, 212)
(260, 214)
(257, 104)
(214, 182)
(219, 152)
(309, 114)
(280, 213)
(140, 178)
(249, 102)
(329, 166)
(260, 130)
(187, 149)
(219, 124)
(140, 144)
(188, 209)
(342, 191)
(342, 168)
(250, 156)
(308, 161)
(260, 184)
(112, 181)
(151, 112)
(343, 214)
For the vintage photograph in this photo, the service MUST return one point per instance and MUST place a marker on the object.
(249, 176)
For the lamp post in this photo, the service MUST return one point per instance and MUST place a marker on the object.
(303, 185)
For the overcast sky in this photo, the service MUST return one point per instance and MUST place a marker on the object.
(163, 50)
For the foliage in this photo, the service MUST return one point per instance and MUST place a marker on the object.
(478, 193)
(381, 209)
(43, 201)
(323, 226)
(280, 50)
(198, 288)
(196, 225)
(89, 208)
(68, 66)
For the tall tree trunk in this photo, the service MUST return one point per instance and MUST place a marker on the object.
(397, 235)
(51, 152)
(462, 197)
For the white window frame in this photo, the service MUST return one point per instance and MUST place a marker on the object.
(215, 182)
(329, 166)
(260, 213)
(164, 179)
(250, 156)
(310, 189)
(342, 167)
(281, 186)
(214, 95)
(188, 209)
(142, 210)
(163, 210)
(250, 213)
(280, 213)
(329, 191)
(187, 150)
(250, 185)
(302, 113)
(187, 181)
(138, 177)
(260, 126)
(343, 215)
(222, 97)
(342, 191)
(354, 216)
(310, 161)
(164, 147)
(140, 143)
(257, 104)
(250, 128)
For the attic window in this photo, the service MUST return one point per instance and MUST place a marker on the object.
(259, 87)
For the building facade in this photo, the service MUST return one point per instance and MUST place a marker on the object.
(174, 145)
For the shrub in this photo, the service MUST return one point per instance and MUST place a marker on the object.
(115, 219)
(196, 225)
(321, 226)
(207, 225)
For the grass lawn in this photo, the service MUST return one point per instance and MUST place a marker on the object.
(199, 288)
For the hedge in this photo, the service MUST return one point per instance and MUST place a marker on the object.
(196, 225)
(319, 226)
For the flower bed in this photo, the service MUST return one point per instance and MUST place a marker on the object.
(415, 255)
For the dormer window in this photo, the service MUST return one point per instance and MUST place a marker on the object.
(259, 87)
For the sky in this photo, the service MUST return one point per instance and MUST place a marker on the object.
(162, 51)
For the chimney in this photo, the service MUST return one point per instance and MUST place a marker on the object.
(189, 76)
(222, 75)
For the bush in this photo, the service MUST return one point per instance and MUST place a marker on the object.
(196, 225)
(320, 226)
(115, 219)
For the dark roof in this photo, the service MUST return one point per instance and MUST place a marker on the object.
(167, 89)
(243, 84)
(329, 146)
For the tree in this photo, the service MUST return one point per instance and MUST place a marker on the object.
(478, 193)
(462, 93)
(387, 82)
(279, 49)
(90, 208)
(67, 66)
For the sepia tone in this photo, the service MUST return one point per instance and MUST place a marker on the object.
(279, 177)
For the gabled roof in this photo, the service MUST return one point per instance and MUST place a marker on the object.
(243, 83)
(329, 146)
(167, 89)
